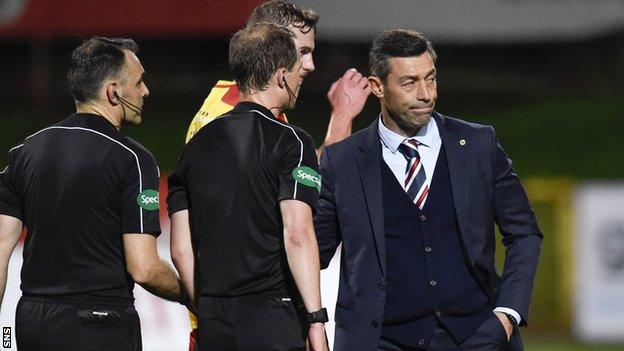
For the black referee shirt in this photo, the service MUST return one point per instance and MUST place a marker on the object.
(78, 186)
(232, 176)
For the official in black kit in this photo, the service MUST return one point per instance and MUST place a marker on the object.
(245, 187)
(88, 196)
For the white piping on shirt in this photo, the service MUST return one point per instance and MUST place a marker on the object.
(296, 136)
(13, 148)
(16, 147)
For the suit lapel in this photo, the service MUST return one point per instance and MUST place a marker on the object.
(369, 167)
(456, 148)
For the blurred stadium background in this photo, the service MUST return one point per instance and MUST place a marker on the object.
(547, 74)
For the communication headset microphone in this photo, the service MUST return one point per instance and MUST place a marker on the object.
(290, 92)
(125, 103)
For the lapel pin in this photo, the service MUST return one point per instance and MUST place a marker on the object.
(462, 142)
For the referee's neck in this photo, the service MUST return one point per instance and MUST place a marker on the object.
(96, 109)
(264, 98)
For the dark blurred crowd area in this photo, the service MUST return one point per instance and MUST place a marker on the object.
(552, 103)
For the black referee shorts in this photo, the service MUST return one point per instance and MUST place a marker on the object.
(45, 324)
(257, 322)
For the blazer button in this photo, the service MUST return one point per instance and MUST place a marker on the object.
(381, 284)
(421, 342)
(438, 313)
(423, 217)
(428, 249)
(433, 283)
(374, 324)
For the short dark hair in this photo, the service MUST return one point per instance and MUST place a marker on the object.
(257, 52)
(396, 43)
(95, 61)
(285, 14)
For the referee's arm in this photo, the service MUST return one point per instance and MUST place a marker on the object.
(181, 246)
(10, 230)
(303, 259)
(301, 251)
(182, 251)
(140, 226)
(11, 217)
(299, 185)
(149, 270)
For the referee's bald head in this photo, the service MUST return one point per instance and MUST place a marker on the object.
(257, 52)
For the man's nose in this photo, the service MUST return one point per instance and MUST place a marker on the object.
(422, 93)
(308, 65)
(146, 91)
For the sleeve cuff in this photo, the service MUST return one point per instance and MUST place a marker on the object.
(11, 212)
(176, 202)
(310, 203)
(510, 311)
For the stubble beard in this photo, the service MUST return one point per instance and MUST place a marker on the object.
(409, 125)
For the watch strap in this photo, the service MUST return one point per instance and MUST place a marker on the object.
(319, 316)
(512, 319)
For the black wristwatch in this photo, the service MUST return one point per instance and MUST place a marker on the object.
(511, 319)
(319, 316)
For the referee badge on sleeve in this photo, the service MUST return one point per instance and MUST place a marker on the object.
(148, 200)
(308, 177)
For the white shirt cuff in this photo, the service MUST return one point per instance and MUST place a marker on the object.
(510, 311)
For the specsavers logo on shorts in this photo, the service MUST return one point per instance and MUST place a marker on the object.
(148, 200)
(308, 177)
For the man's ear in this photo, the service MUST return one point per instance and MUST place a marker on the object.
(377, 86)
(280, 76)
(112, 93)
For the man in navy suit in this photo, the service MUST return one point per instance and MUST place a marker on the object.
(413, 198)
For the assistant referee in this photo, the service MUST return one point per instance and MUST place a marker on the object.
(88, 196)
(245, 187)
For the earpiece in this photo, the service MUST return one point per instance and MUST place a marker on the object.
(290, 93)
(125, 103)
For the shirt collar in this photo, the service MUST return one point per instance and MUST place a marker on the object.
(246, 106)
(425, 136)
(93, 121)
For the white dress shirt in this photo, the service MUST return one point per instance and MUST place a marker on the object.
(429, 144)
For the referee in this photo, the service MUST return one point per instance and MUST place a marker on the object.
(88, 197)
(245, 187)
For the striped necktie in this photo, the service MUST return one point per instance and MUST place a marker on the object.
(415, 176)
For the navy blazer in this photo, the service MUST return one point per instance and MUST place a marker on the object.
(485, 190)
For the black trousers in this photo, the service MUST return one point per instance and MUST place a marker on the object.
(490, 336)
(64, 325)
(257, 322)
